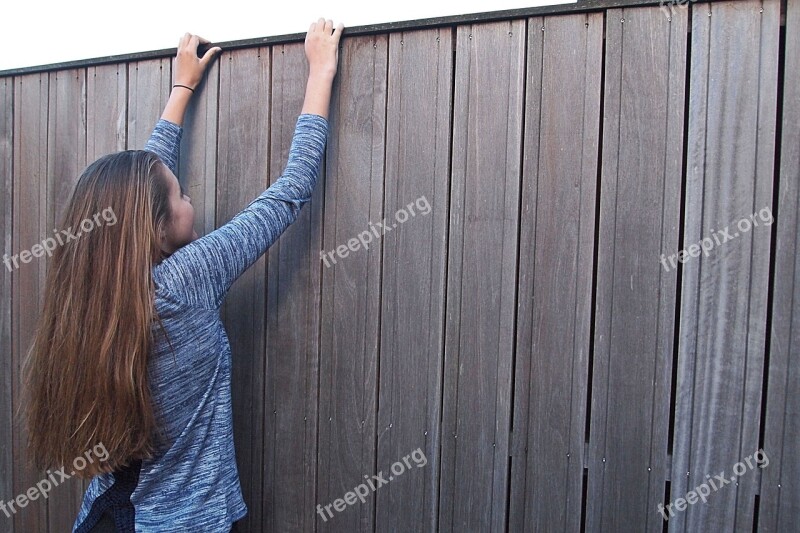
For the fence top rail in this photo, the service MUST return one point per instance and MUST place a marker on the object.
(581, 6)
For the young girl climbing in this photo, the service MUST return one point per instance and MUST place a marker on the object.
(130, 352)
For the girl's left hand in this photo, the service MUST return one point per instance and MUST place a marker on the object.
(189, 68)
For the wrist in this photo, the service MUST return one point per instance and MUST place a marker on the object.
(322, 75)
(182, 88)
(178, 102)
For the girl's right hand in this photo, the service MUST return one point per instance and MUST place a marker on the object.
(322, 47)
(189, 68)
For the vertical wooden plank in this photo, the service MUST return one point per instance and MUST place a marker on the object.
(198, 157)
(555, 271)
(351, 284)
(106, 110)
(779, 508)
(6, 234)
(482, 272)
(149, 85)
(66, 159)
(66, 139)
(27, 283)
(242, 169)
(723, 304)
(639, 221)
(414, 259)
(293, 309)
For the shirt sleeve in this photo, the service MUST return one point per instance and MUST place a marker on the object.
(165, 141)
(202, 271)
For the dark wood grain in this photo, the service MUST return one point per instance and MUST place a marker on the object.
(482, 269)
(351, 284)
(780, 481)
(6, 276)
(242, 166)
(293, 321)
(106, 110)
(418, 140)
(636, 295)
(149, 84)
(731, 149)
(559, 189)
(528, 306)
(30, 223)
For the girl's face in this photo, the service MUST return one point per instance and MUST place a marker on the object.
(180, 230)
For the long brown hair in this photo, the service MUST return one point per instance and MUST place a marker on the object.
(86, 370)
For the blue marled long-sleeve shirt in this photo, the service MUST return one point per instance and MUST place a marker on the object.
(194, 485)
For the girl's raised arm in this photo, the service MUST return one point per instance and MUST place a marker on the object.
(202, 271)
(189, 70)
(165, 140)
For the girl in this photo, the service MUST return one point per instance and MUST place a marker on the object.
(146, 373)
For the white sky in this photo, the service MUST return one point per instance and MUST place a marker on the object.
(38, 32)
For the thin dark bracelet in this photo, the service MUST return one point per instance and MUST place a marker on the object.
(184, 86)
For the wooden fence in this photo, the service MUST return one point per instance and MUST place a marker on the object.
(526, 333)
